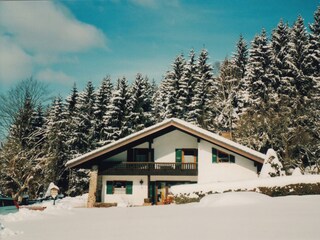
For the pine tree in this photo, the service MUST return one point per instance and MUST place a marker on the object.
(85, 107)
(203, 109)
(103, 98)
(140, 105)
(240, 58)
(78, 178)
(259, 72)
(115, 119)
(224, 100)
(72, 123)
(283, 84)
(254, 126)
(298, 60)
(314, 49)
(232, 91)
(189, 76)
(56, 145)
(177, 89)
(160, 101)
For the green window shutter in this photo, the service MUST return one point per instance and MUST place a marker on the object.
(178, 155)
(109, 187)
(214, 155)
(129, 187)
(232, 159)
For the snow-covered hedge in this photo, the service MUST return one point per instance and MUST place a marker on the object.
(275, 191)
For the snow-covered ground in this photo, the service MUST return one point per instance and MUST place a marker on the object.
(233, 215)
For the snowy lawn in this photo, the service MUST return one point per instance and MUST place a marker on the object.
(241, 215)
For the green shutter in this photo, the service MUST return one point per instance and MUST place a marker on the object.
(129, 187)
(232, 159)
(214, 155)
(178, 155)
(109, 187)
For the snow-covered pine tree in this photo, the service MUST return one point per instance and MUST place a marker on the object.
(253, 127)
(259, 72)
(72, 122)
(159, 101)
(78, 178)
(103, 98)
(85, 108)
(314, 48)
(240, 58)
(189, 76)
(56, 145)
(140, 105)
(227, 84)
(177, 89)
(314, 53)
(115, 119)
(298, 60)
(232, 91)
(301, 135)
(283, 84)
(203, 108)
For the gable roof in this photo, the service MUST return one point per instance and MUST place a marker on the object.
(180, 125)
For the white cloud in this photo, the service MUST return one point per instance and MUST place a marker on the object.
(15, 64)
(50, 75)
(48, 27)
(39, 34)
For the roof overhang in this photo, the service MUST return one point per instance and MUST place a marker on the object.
(172, 123)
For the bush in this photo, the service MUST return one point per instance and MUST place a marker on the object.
(292, 189)
(183, 199)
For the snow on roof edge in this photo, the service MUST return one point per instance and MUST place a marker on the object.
(164, 122)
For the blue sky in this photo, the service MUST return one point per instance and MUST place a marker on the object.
(63, 42)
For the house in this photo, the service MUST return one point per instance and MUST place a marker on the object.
(145, 164)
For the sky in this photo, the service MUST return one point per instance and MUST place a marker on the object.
(65, 42)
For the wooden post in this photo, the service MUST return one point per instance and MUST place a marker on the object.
(93, 186)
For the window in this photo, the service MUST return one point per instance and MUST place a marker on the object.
(222, 157)
(187, 155)
(119, 187)
(140, 155)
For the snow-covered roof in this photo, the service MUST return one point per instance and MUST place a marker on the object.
(179, 124)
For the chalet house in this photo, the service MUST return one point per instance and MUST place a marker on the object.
(145, 164)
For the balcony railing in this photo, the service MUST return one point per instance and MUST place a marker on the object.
(150, 168)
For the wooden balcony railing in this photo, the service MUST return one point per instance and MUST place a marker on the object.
(150, 168)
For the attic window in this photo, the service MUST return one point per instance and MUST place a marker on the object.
(222, 157)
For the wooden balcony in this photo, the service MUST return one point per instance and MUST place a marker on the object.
(150, 168)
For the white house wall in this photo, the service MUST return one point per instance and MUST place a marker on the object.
(242, 169)
(165, 145)
(139, 191)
